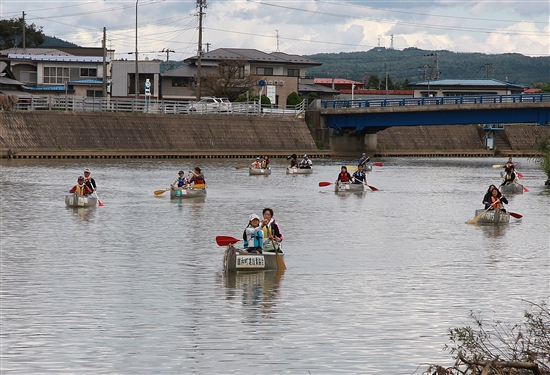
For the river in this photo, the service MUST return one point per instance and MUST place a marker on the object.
(373, 283)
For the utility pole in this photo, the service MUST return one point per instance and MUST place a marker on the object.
(24, 44)
(208, 47)
(167, 50)
(201, 4)
(391, 46)
(277, 40)
(136, 86)
(487, 66)
(104, 62)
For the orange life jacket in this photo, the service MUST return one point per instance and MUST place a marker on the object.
(496, 202)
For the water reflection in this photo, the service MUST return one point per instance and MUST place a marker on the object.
(492, 231)
(260, 291)
(82, 213)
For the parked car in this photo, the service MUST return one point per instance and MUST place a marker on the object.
(210, 105)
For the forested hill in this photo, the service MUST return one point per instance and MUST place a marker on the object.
(411, 64)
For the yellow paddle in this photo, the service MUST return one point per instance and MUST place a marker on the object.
(159, 192)
(241, 166)
(476, 219)
(497, 166)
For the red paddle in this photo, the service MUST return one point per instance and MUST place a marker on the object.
(378, 164)
(324, 183)
(519, 175)
(226, 240)
(525, 189)
(372, 188)
(517, 216)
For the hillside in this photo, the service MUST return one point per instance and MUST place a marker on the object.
(52, 41)
(409, 63)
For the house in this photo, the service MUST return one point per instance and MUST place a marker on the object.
(339, 83)
(123, 74)
(463, 87)
(55, 71)
(281, 72)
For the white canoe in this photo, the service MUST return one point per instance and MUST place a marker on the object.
(235, 260)
(259, 171)
(75, 200)
(493, 217)
(512, 188)
(187, 193)
(299, 170)
(348, 187)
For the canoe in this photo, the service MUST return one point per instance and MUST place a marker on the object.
(493, 217)
(259, 171)
(299, 170)
(513, 188)
(235, 260)
(75, 200)
(187, 193)
(348, 187)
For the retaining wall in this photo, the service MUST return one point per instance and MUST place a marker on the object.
(103, 134)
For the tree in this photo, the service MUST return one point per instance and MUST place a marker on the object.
(228, 81)
(499, 348)
(311, 97)
(293, 99)
(11, 34)
(544, 147)
(374, 82)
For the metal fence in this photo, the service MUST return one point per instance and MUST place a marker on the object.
(132, 105)
(440, 100)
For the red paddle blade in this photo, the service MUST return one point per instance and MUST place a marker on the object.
(324, 183)
(517, 216)
(525, 189)
(226, 240)
(100, 203)
(378, 164)
(372, 188)
(519, 175)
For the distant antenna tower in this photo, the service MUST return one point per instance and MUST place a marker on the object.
(378, 44)
(277, 40)
(391, 46)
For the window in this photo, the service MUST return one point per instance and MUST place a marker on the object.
(293, 72)
(88, 72)
(94, 93)
(231, 71)
(264, 71)
(56, 75)
(182, 82)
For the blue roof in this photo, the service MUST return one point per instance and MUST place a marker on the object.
(47, 88)
(469, 82)
(87, 81)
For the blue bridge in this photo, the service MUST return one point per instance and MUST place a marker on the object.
(372, 115)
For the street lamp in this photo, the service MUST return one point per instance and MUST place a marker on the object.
(137, 73)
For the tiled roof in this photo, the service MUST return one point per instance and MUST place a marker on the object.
(337, 81)
(253, 55)
(316, 88)
(468, 82)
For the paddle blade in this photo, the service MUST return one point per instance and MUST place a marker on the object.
(517, 216)
(226, 240)
(497, 166)
(240, 166)
(372, 188)
(324, 183)
(100, 203)
(280, 262)
(159, 192)
(378, 164)
(197, 186)
(525, 189)
(476, 219)
(520, 175)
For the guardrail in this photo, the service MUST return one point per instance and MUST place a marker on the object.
(437, 100)
(132, 105)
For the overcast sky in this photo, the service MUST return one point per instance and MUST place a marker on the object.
(302, 27)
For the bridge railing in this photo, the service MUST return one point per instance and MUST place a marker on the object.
(437, 100)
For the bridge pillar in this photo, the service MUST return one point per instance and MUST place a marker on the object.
(370, 142)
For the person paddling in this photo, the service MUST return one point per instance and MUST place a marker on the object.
(344, 175)
(359, 177)
(81, 188)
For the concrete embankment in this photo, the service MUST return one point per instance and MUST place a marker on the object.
(57, 134)
(113, 135)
